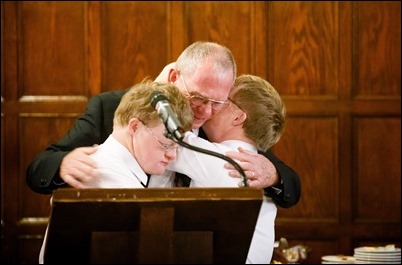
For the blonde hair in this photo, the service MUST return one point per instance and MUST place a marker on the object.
(136, 103)
(264, 108)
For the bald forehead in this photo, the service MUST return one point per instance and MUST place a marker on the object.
(211, 84)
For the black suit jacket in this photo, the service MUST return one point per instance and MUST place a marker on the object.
(96, 124)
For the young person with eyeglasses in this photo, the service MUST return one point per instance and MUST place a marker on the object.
(209, 71)
(252, 101)
(137, 145)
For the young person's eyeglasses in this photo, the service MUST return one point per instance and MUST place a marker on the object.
(199, 100)
(164, 146)
(237, 105)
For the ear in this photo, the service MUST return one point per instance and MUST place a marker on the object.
(240, 118)
(164, 76)
(173, 75)
(133, 125)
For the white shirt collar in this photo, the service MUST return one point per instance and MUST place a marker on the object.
(114, 147)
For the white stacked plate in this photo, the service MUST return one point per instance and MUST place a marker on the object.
(378, 255)
(337, 259)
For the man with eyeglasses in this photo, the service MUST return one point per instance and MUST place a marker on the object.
(208, 95)
(208, 71)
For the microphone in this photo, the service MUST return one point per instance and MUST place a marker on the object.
(161, 104)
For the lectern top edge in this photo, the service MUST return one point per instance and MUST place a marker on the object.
(155, 194)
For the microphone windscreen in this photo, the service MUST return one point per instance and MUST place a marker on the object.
(157, 96)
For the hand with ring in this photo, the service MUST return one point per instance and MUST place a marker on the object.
(260, 172)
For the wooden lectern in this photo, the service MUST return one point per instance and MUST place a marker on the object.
(129, 226)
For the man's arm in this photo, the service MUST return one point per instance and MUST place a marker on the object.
(287, 193)
(279, 181)
(92, 127)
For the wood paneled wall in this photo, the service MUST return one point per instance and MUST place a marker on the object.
(336, 64)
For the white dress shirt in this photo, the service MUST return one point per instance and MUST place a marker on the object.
(117, 167)
(208, 171)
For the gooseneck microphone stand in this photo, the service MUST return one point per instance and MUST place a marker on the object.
(209, 152)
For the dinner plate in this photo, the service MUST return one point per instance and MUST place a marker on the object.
(376, 262)
(388, 254)
(377, 258)
(378, 250)
(338, 259)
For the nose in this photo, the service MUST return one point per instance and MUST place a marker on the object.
(171, 154)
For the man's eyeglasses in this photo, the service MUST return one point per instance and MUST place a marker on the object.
(198, 100)
(165, 147)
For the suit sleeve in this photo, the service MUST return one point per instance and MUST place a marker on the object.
(92, 127)
(290, 188)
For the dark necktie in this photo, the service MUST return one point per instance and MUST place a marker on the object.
(181, 180)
